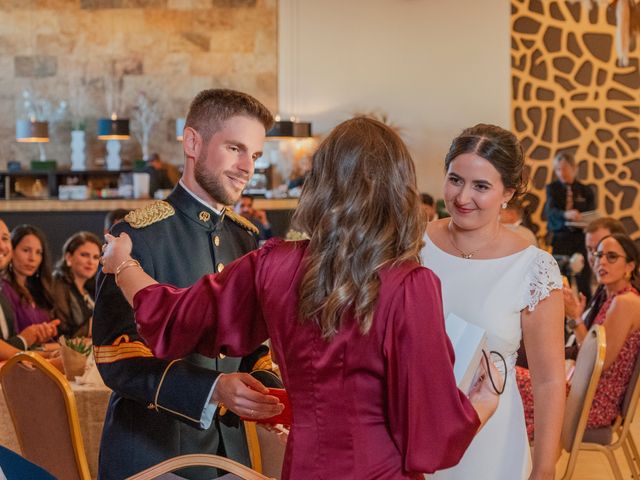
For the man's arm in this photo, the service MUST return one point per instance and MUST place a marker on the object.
(553, 210)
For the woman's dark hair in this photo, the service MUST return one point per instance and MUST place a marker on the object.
(72, 243)
(499, 147)
(360, 207)
(38, 286)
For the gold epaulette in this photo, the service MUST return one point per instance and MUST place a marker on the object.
(240, 220)
(149, 214)
(263, 363)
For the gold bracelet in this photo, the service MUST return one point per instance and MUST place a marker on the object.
(124, 265)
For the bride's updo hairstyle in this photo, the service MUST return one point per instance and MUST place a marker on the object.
(360, 207)
(499, 147)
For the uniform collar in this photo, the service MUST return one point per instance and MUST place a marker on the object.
(193, 207)
(197, 197)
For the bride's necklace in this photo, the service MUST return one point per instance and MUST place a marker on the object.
(468, 255)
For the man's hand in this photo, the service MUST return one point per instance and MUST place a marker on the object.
(573, 305)
(245, 396)
(572, 215)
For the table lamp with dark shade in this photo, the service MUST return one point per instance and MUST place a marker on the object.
(113, 128)
(31, 131)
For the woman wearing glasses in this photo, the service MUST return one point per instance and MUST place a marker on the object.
(616, 268)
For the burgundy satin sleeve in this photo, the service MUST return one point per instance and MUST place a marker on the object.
(218, 314)
(432, 422)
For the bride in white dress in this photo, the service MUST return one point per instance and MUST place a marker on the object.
(495, 279)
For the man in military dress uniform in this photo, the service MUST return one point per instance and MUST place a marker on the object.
(161, 409)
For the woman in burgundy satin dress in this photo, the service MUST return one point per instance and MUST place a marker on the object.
(355, 323)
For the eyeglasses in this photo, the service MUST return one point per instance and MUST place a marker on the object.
(612, 257)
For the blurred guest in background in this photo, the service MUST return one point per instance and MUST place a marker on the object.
(429, 206)
(27, 285)
(163, 175)
(511, 217)
(114, 216)
(616, 267)
(578, 311)
(566, 200)
(257, 217)
(74, 283)
(33, 334)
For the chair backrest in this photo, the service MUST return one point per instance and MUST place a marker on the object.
(266, 447)
(583, 387)
(44, 414)
(266, 450)
(198, 460)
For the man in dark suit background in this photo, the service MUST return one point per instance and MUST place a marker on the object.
(566, 200)
(161, 409)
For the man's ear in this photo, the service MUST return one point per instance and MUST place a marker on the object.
(191, 143)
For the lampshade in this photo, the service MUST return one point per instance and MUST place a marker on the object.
(28, 131)
(180, 128)
(289, 128)
(113, 128)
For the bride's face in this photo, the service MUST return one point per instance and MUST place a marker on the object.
(473, 191)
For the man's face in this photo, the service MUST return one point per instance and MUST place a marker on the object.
(564, 171)
(5, 246)
(226, 164)
(591, 241)
(246, 206)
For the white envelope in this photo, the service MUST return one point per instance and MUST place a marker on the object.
(468, 342)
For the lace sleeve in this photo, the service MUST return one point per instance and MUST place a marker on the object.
(544, 277)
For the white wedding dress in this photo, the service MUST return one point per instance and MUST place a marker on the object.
(492, 293)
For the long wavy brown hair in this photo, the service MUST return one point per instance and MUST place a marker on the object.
(360, 207)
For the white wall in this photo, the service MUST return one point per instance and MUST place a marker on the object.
(433, 66)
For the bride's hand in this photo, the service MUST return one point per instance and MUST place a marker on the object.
(116, 251)
(483, 396)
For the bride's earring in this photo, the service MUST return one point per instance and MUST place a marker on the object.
(504, 205)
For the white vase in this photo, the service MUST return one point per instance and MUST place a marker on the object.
(113, 155)
(78, 157)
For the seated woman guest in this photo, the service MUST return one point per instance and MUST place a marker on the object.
(616, 268)
(74, 283)
(355, 322)
(27, 285)
(37, 333)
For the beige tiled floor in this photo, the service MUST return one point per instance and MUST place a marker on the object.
(594, 466)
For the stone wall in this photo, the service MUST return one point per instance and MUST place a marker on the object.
(73, 50)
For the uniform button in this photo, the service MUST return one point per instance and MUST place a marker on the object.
(220, 267)
(204, 216)
(216, 241)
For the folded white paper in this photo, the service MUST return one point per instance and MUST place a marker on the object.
(468, 341)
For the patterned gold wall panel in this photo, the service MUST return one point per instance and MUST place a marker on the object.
(568, 93)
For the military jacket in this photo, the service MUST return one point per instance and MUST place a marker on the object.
(156, 409)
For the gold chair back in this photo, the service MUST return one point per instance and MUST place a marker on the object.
(45, 416)
(199, 460)
(583, 387)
